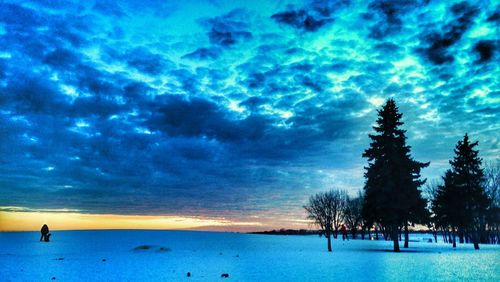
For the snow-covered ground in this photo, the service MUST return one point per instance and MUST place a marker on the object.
(79, 255)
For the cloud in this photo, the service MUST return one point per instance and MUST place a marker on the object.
(485, 50)
(300, 19)
(203, 54)
(147, 62)
(144, 108)
(109, 8)
(390, 15)
(494, 17)
(199, 118)
(228, 29)
(440, 42)
(311, 18)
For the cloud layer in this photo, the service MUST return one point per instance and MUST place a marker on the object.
(239, 110)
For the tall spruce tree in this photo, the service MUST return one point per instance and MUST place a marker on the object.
(392, 197)
(468, 178)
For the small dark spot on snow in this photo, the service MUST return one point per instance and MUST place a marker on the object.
(59, 258)
(164, 249)
(189, 274)
(220, 254)
(150, 247)
(103, 259)
(53, 278)
(142, 248)
(224, 275)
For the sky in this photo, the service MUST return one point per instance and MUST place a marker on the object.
(227, 115)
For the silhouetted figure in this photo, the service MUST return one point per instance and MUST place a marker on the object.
(45, 233)
(344, 233)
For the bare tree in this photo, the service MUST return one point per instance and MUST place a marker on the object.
(492, 187)
(339, 206)
(353, 213)
(325, 209)
(430, 192)
(492, 182)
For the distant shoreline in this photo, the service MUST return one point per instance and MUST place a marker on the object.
(317, 232)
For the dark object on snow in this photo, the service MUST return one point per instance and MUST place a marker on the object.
(343, 229)
(224, 275)
(103, 260)
(47, 237)
(142, 248)
(53, 278)
(189, 274)
(45, 232)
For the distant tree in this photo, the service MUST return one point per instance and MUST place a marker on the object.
(468, 177)
(492, 182)
(492, 186)
(448, 206)
(430, 193)
(325, 209)
(418, 213)
(392, 197)
(353, 213)
(339, 205)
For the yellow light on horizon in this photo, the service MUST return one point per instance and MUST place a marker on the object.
(28, 221)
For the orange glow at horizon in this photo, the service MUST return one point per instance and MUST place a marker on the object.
(32, 221)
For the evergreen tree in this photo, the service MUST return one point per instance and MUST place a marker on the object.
(392, 197)
(448, 206)
(468, 177)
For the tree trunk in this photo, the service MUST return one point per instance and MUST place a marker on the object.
(328, 237)
(483, 234)
(475, 239)
(496, 235)
(406, 236)
(394, 235)
(460, 236)
(376, 233)
(454, 237)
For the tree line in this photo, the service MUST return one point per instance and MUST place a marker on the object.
(466, 204)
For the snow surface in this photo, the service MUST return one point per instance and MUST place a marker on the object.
(78, 256)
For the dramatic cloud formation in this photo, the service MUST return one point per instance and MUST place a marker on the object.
(234, 109)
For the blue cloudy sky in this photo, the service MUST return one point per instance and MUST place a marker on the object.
(234, 109)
